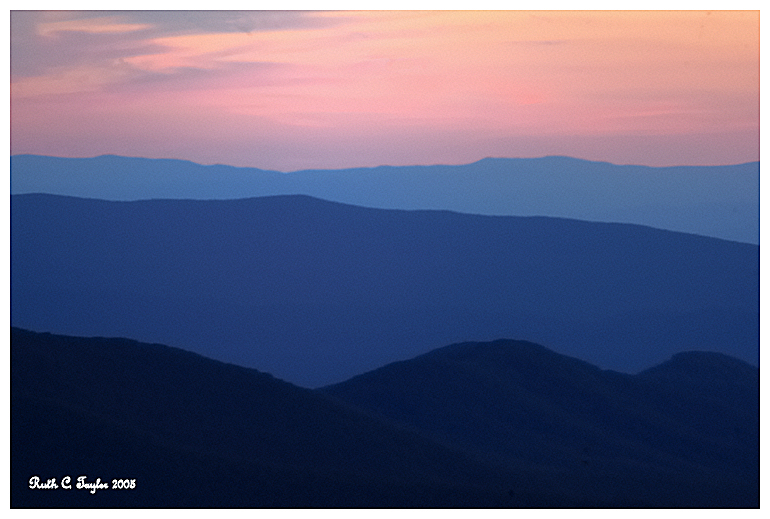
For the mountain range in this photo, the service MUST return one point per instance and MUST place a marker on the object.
(510, 333)
(496, 424)
(315, 292)
(715, 201)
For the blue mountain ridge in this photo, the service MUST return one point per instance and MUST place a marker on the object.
(316, 292)
(716, 201)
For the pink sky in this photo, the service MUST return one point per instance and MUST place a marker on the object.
(295, 90)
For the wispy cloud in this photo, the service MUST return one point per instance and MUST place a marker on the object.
(102, 25)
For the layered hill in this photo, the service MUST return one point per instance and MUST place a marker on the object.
(502, 424)
(717, 201)
(193, 432)
(316, 292)
(681, 433)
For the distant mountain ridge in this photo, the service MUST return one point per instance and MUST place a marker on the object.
(316, 292)
(716, 201)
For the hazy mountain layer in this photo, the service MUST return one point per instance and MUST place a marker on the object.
(316, 292)
(504, 424)
(717, 201)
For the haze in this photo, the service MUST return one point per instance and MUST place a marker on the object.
(300, 90)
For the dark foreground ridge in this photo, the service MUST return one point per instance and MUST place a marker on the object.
(193, 432)
(501, 424)
(662, 433)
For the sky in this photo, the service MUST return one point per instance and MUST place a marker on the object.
(292, 90)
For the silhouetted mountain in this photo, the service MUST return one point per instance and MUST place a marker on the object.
(315, 292)
(685, 433)
(716, 201)
(728, 387)
(193, 432)
(504, 424)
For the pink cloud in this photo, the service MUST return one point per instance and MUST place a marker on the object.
(375, 86)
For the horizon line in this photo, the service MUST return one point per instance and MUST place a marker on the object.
(488, 158)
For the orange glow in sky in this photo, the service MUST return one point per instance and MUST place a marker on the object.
(296, 90)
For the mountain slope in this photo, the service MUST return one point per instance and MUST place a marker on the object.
(315, 292)
(502, 424)
(717, 201)
(682, 434)
(193, 432)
